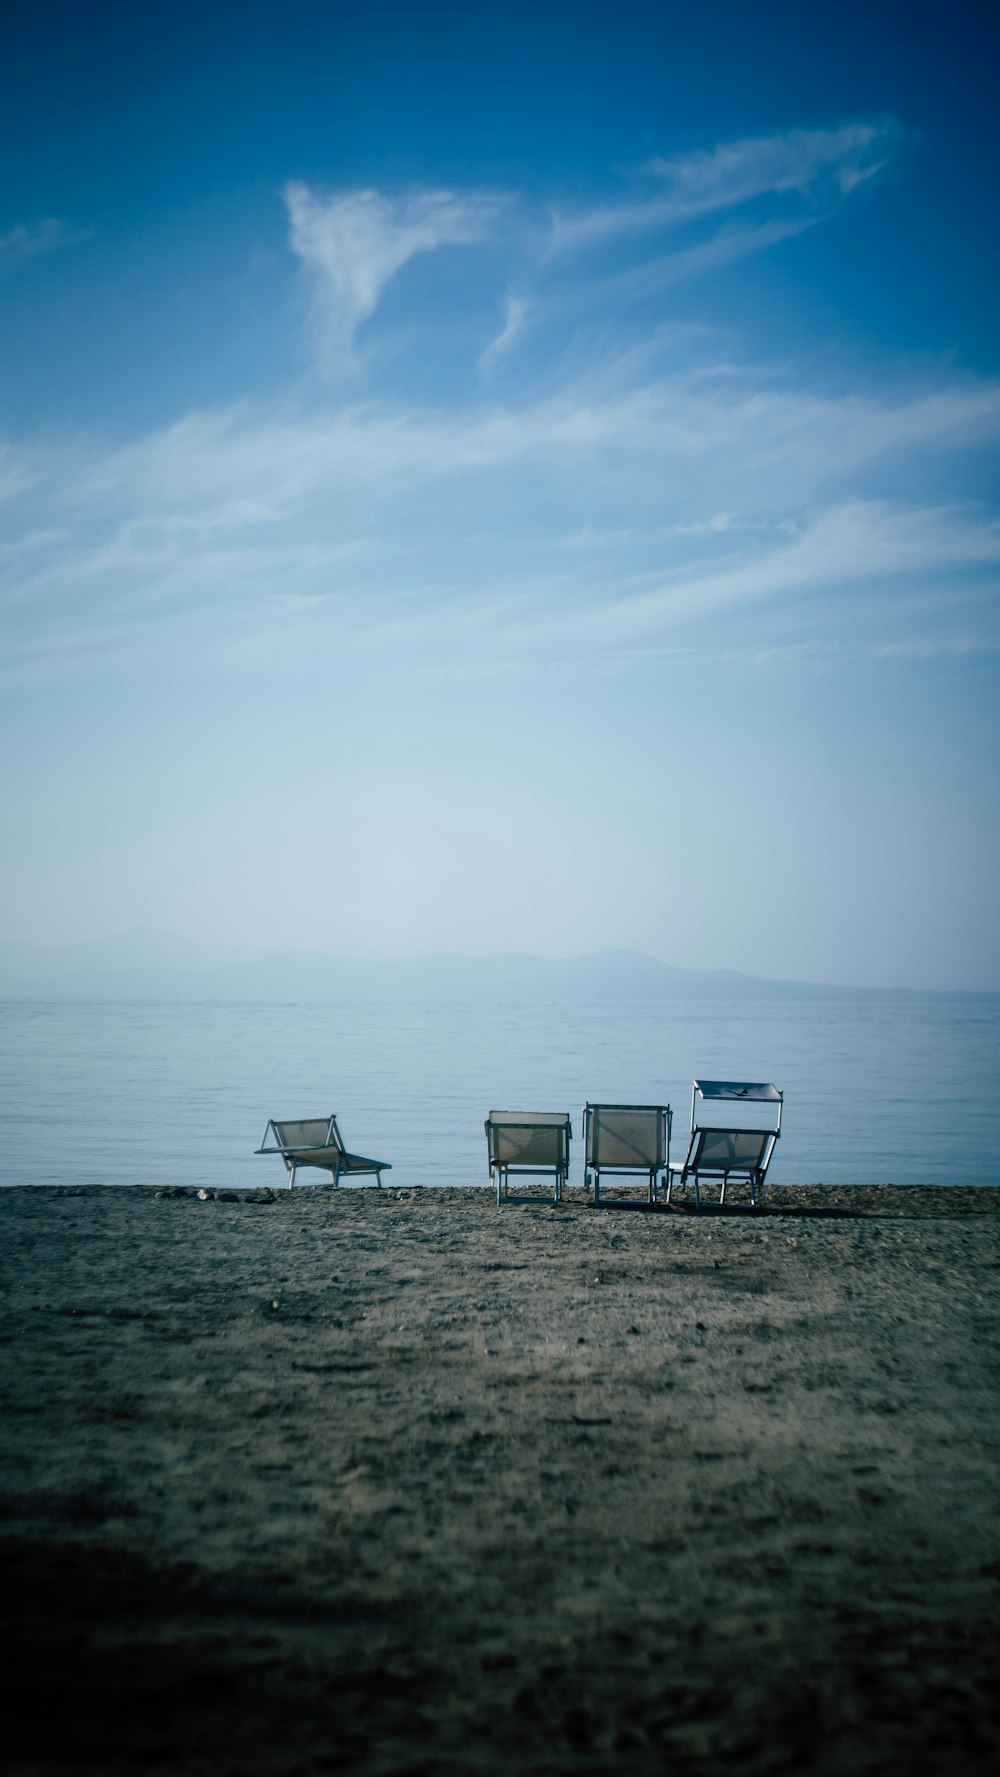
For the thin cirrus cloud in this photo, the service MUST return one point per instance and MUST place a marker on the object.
(355, 242)
(751, 438)
(514, 319)
(689, 484)
(195, 526)
(725, 247)
(809, 164)
(851, 544)
(28, 240)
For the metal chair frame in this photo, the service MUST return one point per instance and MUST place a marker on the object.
(695, 1166)
(651, 1173)
(526, 1122)
(336, 1160)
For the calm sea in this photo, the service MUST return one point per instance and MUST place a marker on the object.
(876, 1089)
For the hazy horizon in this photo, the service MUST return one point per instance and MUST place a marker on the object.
(487, 483)
(146, 956)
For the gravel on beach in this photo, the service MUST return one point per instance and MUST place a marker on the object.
(393, 1483)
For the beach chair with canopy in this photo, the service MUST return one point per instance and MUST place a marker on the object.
(629, 1140)
(734, 1128)
(316, 1141)
(528, 1143)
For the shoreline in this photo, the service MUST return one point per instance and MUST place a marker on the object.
(383, 1481)
(776, 1199)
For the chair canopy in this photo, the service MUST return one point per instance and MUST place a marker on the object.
(735, 1104)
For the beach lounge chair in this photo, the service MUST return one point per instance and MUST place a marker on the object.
(734, 1127)
(632, 1140)
(528, 1142)
(315, 1141)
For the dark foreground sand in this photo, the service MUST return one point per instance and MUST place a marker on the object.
(357, 1482)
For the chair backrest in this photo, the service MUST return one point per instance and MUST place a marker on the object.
(730, 1150)
(626, 1135)
(308, 1133)
(528, 1138)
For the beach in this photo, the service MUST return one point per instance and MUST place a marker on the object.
(380, 1482)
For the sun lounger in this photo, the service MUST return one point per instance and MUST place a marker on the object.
(631, 1140)
(734, 1128)
(315, 1141)
(528, 1142)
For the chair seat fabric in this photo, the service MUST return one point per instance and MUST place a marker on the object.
(528, 1142)
(316, 1141)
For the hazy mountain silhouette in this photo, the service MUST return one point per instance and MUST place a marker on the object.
(147, 965)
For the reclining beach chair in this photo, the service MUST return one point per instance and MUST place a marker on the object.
(526, 1142)
(315, 1141)
(627, 1139)
(734, 1128)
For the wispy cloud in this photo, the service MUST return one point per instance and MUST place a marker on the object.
(723, 248)
(515, 311)
(781, 445)
(355, 242)
(920, 648)
(810, 164)
(860, 542)
(798, 160)
(632, 478)
(709, 527)
(19, 471)
(28, 240)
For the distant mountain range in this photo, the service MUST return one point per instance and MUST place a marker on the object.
(146, 965)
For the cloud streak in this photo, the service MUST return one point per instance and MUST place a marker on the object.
(354, 242)
(812, 165)
(857, 543)
(29, 240)
(610, 487)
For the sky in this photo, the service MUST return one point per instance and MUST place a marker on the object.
(503, 478)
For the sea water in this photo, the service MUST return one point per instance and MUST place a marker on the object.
(888, 1088)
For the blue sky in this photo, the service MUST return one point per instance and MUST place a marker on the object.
(503, 478)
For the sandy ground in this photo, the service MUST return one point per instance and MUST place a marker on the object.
(358, 1481)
